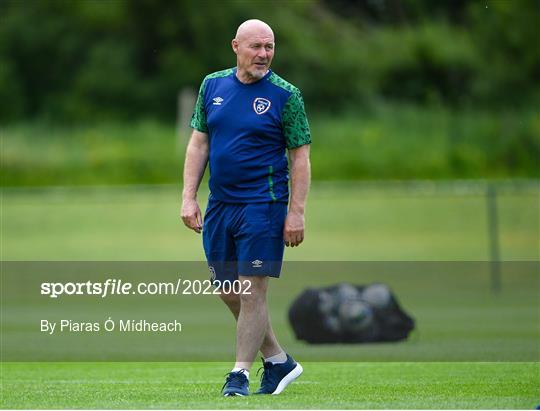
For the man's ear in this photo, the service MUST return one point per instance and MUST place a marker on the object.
(234, 44)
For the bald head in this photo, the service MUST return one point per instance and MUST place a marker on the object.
(254, 49)
(253, 27)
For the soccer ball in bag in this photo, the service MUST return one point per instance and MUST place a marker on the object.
(355, 315)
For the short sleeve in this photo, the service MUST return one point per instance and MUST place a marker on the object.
(294, 121)
(198, 119)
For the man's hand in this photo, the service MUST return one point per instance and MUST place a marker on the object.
(293, 232)
(191, 215)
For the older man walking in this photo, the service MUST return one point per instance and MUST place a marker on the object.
(245, 120)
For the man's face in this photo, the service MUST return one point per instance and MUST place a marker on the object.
(254, 54)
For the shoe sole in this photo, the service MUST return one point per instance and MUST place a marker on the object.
(290, 377)
(233, 395)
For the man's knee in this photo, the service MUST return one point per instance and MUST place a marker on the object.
(253, 289)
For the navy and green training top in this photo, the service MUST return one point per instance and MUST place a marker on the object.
(249, 127)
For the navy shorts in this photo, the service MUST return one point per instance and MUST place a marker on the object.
(244, 239)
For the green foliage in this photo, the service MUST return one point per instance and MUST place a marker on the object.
(12, 99)
(111, 153)
(385, 142)
(505, 34)
(85, 61)
(423, 65)
(427, 143)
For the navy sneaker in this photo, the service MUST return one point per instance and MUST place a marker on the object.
(236, 384)
(276, 377)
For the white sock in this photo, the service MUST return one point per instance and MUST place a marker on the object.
(243, 370)
(277, 359)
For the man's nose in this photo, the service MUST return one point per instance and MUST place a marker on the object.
(263, 54)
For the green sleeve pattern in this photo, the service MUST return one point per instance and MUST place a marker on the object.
(294, 121)
(198, 119)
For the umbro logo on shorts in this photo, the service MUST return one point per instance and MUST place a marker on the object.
(217, 101)
(261, 105)
(256, 263)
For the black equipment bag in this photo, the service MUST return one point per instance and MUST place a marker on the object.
(345, 313)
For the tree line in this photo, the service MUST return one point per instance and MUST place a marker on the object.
(83, 60)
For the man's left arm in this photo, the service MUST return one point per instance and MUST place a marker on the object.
(293, 232)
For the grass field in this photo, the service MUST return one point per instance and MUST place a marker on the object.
(472, 349)
(323, 386)
(344, 222)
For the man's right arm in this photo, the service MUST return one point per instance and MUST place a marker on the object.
(194, 166)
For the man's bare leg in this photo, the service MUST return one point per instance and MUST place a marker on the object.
(282, 369)
(270, 345)
(252, 323)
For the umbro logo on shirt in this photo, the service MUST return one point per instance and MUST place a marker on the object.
(217, 101)
(256, 264)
